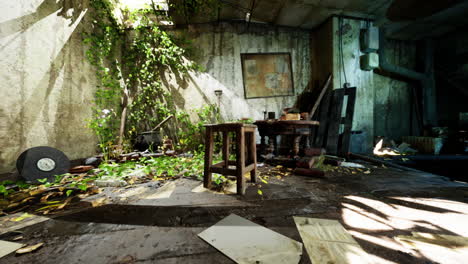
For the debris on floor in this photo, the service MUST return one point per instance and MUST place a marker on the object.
(81, 168)
(29, 249)
(229, 188)
(246, 242)
(326, 241)
(351, 165)
(163, 192)
(66, 190)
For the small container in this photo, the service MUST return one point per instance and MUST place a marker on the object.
(271, 115)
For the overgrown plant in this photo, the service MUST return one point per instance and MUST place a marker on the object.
(191, 135)
(104, 46)
(130, 64)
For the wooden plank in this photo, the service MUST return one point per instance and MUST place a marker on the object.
(348, 120)
(335, 121)
(326, 241)
(246, 242)
(249, 168)
(320, 139)
(224, 171)
(319, 99)
(324, 229)
(335, 253)
(222, 164)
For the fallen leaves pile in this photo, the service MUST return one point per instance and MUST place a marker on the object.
(71, 188)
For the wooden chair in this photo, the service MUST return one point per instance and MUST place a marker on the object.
(246, 153)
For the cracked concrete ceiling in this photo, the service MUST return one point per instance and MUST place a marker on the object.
(405, 19)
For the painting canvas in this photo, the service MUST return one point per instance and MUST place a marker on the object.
(267, 75)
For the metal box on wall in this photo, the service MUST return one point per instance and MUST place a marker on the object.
(369, 61)
(369, 39)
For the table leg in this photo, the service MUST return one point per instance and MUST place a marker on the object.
(262, 144)
(253, 156)
(240, 161)
(297, 142)
(271, 144)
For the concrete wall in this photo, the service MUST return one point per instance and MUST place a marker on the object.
(46, 83)
(383, 106)
(218, 50)
(48, 86)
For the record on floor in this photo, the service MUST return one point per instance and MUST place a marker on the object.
(42, 162)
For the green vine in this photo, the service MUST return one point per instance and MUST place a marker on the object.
(130, 62)
(104, 44)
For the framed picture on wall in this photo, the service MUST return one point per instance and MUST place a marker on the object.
(267, 75)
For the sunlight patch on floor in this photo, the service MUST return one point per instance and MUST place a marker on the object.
(374, 221)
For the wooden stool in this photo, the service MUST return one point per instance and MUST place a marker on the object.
(245, 136)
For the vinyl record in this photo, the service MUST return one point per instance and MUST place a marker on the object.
(42, 162)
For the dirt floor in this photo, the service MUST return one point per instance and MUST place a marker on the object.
(151, 224)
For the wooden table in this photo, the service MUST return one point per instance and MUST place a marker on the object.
(274, 128)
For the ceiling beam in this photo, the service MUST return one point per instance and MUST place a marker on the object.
(278, 12)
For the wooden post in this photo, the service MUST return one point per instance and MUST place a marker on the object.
(226, 149)
(253, 155)
(240, 160)
(208, 157)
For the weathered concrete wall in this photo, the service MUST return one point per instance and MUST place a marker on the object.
(218, 50)
(383, 105)
(46, 83)
(394, 110)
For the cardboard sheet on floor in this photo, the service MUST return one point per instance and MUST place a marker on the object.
(438, 248)
(246, 242)
(326, 241)
(163, 192)
(7, 247)
(18, 220)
